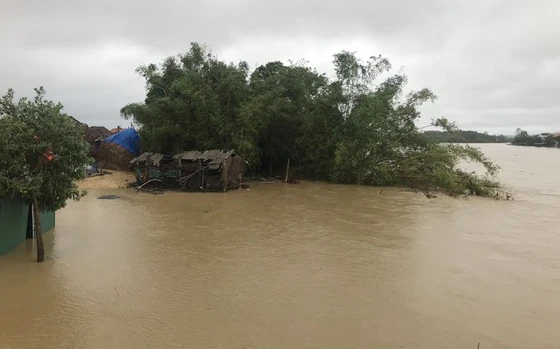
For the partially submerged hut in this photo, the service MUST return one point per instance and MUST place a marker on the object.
(155, 167)
(209, 170)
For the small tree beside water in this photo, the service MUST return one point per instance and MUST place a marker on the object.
(43, 155)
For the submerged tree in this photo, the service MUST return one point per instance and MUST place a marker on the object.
(382, 144)
(349, 129)
(43, 155)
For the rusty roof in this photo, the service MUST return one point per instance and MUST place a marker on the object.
(215, 157)
(152, 158)
(96, 132)
(212, 158)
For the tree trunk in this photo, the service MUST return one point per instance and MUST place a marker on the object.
(38, 231)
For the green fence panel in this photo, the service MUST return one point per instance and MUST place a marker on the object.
(47, 221)
(13, 224)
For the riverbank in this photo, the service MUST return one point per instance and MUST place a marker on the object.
(110, 180)
(536, 145)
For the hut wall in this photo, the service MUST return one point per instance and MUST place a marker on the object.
(232, 172)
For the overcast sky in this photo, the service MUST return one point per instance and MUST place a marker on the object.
(494, 64)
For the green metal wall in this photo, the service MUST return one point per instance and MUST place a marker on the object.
(13, 224)
(47, 221)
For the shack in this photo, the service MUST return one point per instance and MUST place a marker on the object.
(157, 168)
(208, 170)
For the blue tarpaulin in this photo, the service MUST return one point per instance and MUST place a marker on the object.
(127, 139)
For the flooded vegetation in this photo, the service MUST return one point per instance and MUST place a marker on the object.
(306, 266)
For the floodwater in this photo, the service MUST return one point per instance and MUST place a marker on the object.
(297, 266)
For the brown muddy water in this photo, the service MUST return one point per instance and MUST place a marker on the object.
(297, 266)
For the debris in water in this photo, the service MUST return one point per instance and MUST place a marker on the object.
(108, 197)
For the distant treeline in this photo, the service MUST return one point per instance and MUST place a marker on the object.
(548, 140)
(461, 136)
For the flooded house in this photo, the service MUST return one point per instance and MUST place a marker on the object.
(208, 170)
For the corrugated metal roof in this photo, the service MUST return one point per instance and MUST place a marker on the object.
(215, 156)
(140, 158)
(152, 158)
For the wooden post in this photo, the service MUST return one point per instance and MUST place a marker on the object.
(287, 170)
(225, 176)
(38, 231)
(202, 176)
(202, 181)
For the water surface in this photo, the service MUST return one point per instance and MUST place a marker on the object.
(297, 266)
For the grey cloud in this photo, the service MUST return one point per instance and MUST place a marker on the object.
(167, 23)
(495, 64)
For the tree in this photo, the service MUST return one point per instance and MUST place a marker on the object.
(349, 128)
(289, 115)
(521, 137)
(43, 155)
(382, 144)
(192, 101)
(465, 136)
(549, 141)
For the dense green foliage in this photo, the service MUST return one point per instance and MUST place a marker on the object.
(463, 136)
(544, 140)
(348, 129)
(33, 129)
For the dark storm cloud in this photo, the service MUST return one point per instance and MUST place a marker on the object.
(494, 64)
